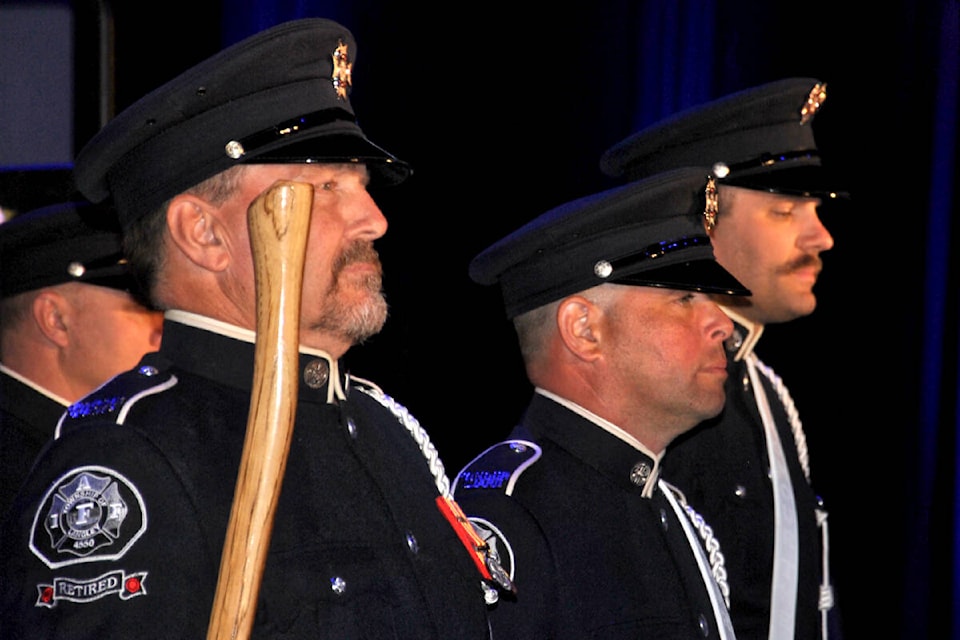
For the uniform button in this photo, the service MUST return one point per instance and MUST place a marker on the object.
(734, 342)
(490, 595)
(338, 585)
(704, 627)
(316, 373)
(147, 371)
(639, 473)
(745, 382)
(351, 427)
(518, 447)
(740, 491)
(663, 520)
(412, 543)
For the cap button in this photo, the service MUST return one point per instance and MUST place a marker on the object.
(603, 269)
(234, 150)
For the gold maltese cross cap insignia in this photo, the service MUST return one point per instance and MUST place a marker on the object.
(818, 95)
(712, 203)
(342, 70)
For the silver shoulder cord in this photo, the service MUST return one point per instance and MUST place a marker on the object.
(826, 589)
(420, 436)
(714, 576)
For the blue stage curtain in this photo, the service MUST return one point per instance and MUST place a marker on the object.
(933, 574)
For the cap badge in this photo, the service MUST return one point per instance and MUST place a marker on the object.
(712, 206)
(818, 95)
(342, 71)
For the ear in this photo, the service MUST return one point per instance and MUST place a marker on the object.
(195, 228)
(578, 322)
(51, 313)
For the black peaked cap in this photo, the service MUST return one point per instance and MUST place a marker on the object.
(759, 138)
(60, 243)
(646, 233)
(279, 96)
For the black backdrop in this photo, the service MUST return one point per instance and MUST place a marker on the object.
(503, 109)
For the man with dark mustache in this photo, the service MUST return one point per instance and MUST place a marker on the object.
(120, 529)
(747, 471)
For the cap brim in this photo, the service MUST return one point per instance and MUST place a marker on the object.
(809, 180)
(385, 168)
(706, 276)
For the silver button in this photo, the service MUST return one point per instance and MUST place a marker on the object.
(351, 428)
(663, 520)
(721, 169)
(412, 543)
(734, 342)
(602, 269)
(639, 473)
(518, 447)
(147, 371)
(234, 150)
(740, 491)
(338, 585)
(316, 374)
(704, 627)
(745, 382)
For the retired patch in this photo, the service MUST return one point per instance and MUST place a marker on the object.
(124, 585)
(89, 514)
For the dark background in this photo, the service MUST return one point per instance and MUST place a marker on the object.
(503, 109)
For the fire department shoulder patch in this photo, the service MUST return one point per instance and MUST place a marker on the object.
(88, 514)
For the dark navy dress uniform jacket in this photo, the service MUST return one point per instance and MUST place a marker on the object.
(120, 530)
(722, 467)
(27, 420)
(591, 557)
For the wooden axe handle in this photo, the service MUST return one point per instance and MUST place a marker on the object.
(278, 222)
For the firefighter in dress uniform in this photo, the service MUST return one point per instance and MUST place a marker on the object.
(120, 529)
(624, 347)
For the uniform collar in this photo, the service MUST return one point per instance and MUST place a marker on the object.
(615, 454)
(225, 352)
(745, 335)
(33, 385)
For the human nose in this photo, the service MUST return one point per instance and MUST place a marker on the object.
(815, 237)
(719, 326)
(370, 222)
